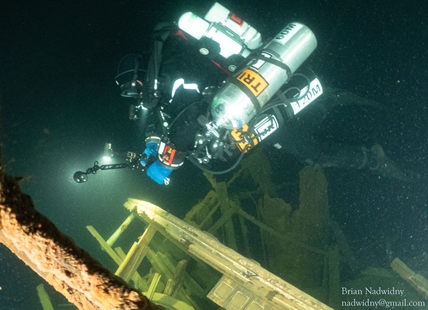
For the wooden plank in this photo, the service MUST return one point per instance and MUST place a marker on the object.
(159, 266)
(244, 231)
(344, 246)
(419, 282)
(177, 279)
(44, 298)
(136, 255)
(162, 264)
(225, 218)
(104, 244)
(139, 283)
(197, 208)
(278, 235)
(209, 215)
(153, 286)
(120, 229)
(227, 213)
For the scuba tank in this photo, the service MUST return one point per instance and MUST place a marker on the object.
(228, 32)
(240, 99)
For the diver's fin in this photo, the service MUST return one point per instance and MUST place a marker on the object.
(384, 166)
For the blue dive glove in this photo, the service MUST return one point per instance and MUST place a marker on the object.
(158, 173)
(151, 150)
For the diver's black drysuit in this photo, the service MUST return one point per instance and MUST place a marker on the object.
(300, 137)
(296, 136)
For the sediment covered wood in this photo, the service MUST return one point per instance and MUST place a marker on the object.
(56, 257)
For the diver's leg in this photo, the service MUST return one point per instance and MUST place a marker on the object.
(351, 157)
(388, 168)
(342, 156)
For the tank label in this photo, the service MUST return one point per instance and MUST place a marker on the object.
(287, 33)
(253, 81)
(307, 96)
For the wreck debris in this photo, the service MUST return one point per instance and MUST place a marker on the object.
(57, 259)
(244, 284)
(418, 281)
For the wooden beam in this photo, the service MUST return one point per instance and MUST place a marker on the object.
(55, 257)
(121, 229)
(344, 246)
(419, 282)
(44, 298)
(136, 254)
(104, 244)
(227, 212)
(276, 234)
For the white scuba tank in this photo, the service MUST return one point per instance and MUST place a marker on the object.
(234, 35)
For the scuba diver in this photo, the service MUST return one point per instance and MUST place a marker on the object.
(213, 90)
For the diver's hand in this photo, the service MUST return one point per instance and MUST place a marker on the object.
(149, 154)
(151, 149)
(158, 173)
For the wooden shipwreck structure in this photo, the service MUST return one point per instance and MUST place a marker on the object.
(188, 265)
(241, 247)
(210, 259)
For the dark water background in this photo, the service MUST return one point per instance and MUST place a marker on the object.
(59, 105)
